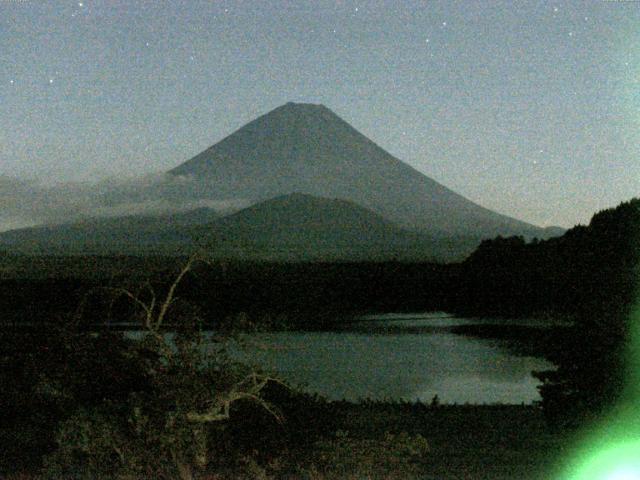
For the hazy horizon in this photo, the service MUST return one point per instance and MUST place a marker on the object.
(528, 110)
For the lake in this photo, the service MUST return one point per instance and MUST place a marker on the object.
(401, 357)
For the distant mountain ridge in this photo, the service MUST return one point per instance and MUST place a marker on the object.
(295, 227)
(307, 148)
(125, 235)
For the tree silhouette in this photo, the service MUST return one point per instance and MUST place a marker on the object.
(589, 276)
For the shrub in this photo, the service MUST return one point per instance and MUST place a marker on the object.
(343, 456)
(165, 425)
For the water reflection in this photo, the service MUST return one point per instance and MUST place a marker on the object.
(408, 357)
(400, 364)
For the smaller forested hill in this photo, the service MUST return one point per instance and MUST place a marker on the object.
(304, 227)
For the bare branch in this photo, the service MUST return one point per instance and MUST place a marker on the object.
(257, 385)
(152, 291)
(171, 293)
(222, 412)
(136, 300)
(207, 417)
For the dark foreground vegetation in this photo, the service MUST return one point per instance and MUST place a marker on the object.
(81, 400)
(96, 406)
(589, 276)
(297, 295)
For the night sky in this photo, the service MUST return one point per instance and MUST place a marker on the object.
(529, 108)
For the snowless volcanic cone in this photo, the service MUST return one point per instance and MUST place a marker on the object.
(309, 149)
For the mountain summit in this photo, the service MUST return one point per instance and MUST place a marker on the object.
(308, 148)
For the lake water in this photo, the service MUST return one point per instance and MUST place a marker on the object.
(401, 357)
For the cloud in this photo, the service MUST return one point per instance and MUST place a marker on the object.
(24, 204)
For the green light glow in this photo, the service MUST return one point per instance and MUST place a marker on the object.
(619, 462)
(625, 474)
(611, 450)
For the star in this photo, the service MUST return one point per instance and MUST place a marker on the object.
(11, 82)
(50, 81)
(80, 4)
(555, 9)
(571, 34)
(427, 40)
(444, 24)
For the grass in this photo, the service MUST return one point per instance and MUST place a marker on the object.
(374, 440)
(467, 441)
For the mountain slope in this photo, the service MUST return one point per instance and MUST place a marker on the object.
(307, 148)
(296, 227)
(304, 227)
(133, 234)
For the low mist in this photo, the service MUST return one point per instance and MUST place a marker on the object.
(29, 203)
